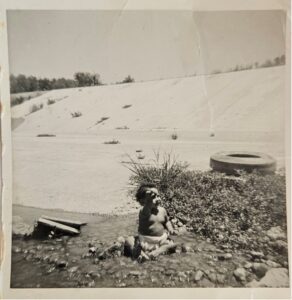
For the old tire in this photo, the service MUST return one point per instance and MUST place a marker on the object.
(230, 161)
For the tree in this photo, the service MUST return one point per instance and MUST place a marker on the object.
(87, 79)
(128, 79)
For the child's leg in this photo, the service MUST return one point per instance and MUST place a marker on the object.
(129, 246)
(165, 248)
(132, 247)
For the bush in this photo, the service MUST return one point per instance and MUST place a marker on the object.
(17, 101)
(127, 79)
(231, 211)
(174, 136)
(46, 135)
(127, 106)
(101, 120)
(112, 142)
(51, 101)
(123, 128)
(76, 114)
(35, 107)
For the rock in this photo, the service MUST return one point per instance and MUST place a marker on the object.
(220, 279)
(91, 284)
(212, 277)
(276, 278)
(39, 247)
(256, 254)
(92, 250)
(16, 249)
(186, 248)
(198, 275)
(240, 274)
(222, 270)
(253, 284)
(61, 264)
(174, 221)
(20, 229)
(182, 274)
(248, 265)
(280, 246)
(276, 233)
(180, 224)
(225, 256)
(259, 269)
(73, 269)
(121, 240)
(272, 264)
(135, 273)
(182, 230)
(95, 275)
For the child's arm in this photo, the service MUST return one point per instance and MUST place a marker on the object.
(168, 224)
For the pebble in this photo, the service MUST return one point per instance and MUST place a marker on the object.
(256, 254)
(240, 274)
(182, 274)
(225, 256)
(39, 247)
(198, 275)
(135, 273)
(280, 246)
(62, 264)
(212, 277)
(220, 279)
(248, 265)
(272, 264)
(186, 248)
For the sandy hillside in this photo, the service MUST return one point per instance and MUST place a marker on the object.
(76, 170)
(250, 100)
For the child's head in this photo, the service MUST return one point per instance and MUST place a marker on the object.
(148, 194)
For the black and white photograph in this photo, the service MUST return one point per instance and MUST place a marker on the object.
(148, 148)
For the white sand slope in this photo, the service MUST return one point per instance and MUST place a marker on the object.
(251, 100)
(77, 171)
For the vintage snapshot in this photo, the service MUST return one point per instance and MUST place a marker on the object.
(148, 149)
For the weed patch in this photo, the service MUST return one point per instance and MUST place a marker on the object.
(36, 107)
(235, 212)
(112, 142)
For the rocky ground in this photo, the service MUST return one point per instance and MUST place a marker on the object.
(80, 262)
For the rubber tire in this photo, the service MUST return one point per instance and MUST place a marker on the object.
(230, 161)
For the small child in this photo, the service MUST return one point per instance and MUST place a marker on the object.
(154, 226)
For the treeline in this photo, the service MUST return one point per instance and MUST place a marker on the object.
(277, 61)
(22, 83)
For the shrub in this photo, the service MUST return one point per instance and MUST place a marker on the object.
(17, 101)
(51, 101)
(231, 211)
(76, 114)
(35, 107)
(112, 142)
(46, 135)
(123, 128)
(174, 136)
(128, 79)
(127, 106)
(101, 120)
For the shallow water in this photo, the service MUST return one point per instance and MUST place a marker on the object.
(34, 261)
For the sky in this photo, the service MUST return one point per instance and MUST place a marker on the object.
(147, 45)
